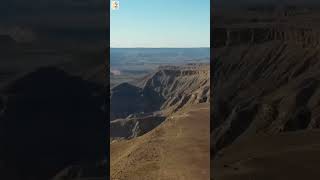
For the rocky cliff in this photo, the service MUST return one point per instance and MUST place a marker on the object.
(145, 105)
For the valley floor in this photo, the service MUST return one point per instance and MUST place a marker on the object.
(177, 149)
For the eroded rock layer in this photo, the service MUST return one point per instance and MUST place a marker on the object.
(137, 109)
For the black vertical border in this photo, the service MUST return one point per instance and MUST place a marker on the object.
(211, 85)
(107, 75)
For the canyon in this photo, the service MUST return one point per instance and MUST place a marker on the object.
(157, 122)
(265, 95)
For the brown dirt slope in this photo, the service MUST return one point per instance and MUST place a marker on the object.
(176, 149)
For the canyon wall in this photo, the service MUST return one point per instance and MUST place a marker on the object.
(231, 36)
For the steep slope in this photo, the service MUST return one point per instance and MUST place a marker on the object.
(266, 88)
(266, 99)
(176, 149)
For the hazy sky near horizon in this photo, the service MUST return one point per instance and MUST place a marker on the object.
(160, 23)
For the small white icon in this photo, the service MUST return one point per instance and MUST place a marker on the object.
(115, 5)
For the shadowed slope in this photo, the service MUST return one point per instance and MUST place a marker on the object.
(51, 120)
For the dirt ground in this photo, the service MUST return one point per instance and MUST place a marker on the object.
(178, 149)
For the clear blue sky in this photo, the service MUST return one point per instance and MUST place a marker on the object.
(161, 23)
